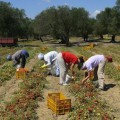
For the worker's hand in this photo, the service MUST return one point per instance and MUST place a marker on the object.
(73, 77)
(83, 82)
(44, 66)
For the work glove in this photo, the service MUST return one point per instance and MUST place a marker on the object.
(18, 67)
(43, 66)
(73, 77)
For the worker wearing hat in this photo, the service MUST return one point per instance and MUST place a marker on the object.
(50, 62)
(96, 63)
(19, 58)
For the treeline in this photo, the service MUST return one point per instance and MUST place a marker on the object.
(60, 22)
(13, 22)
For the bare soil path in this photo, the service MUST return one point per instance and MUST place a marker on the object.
(43, 112)
(111, 96)
(52, 87)
(112, 93)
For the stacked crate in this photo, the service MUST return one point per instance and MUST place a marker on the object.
(58, 103)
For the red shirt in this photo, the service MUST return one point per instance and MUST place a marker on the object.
(69, 58)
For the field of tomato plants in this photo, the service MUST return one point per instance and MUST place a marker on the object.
(24, 101)
(23, 104)
(7, 71)
(87, 105)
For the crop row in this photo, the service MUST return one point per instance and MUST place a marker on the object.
(25, 101)
(8, 71)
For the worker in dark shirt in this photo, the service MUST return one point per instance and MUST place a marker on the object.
(19, 58)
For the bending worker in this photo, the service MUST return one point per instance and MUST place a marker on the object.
(67, 60)
(50, 62)
(19, 58)
(96, 62)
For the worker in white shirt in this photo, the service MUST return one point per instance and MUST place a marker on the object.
(50, 62)
(96, 63)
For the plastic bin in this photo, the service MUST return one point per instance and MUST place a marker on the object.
(58, 103)
(21, 73)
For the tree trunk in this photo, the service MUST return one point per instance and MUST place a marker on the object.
(113, 39)
(85, 37)
(40, 38)
(63, 41)
(101, 37)
(67, 41)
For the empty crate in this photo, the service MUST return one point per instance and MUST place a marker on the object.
(58, 103)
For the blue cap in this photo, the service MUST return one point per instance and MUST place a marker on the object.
(24, 52)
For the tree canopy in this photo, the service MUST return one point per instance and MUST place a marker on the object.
(60, 22)
(13, 21)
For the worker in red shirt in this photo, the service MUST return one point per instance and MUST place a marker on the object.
(67, 60)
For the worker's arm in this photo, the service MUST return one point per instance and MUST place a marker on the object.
(87, 77)
(72, 69)
(53, 60)
(15, 62)
(48, 61)
(23, 62)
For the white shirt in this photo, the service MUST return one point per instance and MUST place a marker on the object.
(49, 57)
(93, 62)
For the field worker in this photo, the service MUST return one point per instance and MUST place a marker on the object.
(19, 58)
(50, 62)
(96, 62)
(67, 60)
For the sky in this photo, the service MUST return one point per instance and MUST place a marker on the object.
(34, 7)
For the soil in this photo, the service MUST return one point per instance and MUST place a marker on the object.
(7, 91)
(112, 95)
(52, 87)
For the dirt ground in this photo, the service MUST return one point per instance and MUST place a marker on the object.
(112, 95)
(6, 91)
(43, 112)
(53, 86)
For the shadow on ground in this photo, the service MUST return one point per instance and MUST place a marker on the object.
(108, 86)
